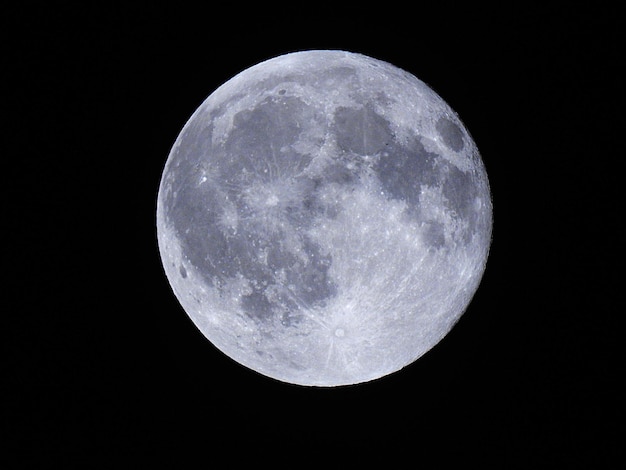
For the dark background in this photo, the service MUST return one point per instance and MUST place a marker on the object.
(100, 363)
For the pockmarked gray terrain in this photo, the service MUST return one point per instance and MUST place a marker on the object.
(324, 218)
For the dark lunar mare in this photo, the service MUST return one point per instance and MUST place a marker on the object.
(450, 133)
(245, 158)
(403, 170)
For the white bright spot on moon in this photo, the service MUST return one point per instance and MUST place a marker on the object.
(324, 218)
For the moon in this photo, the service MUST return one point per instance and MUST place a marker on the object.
(324, 218)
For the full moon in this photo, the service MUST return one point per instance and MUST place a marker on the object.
(324, 218)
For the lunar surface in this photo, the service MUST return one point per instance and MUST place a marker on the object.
(324, 218)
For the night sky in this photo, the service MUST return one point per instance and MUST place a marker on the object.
(100, 364)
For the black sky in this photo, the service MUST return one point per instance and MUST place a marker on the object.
(101, 363)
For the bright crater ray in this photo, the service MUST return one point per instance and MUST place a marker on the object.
(324, 218)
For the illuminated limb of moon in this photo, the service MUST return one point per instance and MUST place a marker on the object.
(324, 218)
